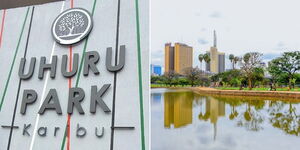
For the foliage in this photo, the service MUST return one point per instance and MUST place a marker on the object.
(233, 59)
(206, 57)
(170, 78)
(249, 63)
(288, 63)
(231, 77)
(193, 75)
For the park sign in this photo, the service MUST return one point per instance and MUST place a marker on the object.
(80, 86)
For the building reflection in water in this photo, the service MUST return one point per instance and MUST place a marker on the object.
(156, 97)
(178, 109)
(213, 110)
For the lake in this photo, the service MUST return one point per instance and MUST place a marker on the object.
(184, 120)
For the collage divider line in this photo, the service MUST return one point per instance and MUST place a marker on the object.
(19, 84)
(44, 89)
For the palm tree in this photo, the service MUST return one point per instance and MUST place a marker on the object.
(206, 58)
(231, 58)
(235, 60)
(200, 57)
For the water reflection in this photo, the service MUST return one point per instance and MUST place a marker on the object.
(185, 109)
(178, 109)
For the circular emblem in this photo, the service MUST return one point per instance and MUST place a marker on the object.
(71, 26)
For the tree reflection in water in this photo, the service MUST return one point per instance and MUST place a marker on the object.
(249, 113)
(285, 118)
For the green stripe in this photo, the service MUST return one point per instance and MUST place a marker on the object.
(14, 59)
(84, 49)
(64, 139)
(80, 69)
(140, 74)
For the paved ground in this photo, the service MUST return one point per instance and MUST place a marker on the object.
(279, 94)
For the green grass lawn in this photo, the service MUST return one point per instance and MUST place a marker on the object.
(256, 89)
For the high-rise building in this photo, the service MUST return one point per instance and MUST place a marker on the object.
(155, 70)
(217, 59)
(178, 57)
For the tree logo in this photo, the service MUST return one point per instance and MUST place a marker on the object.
(71, 26)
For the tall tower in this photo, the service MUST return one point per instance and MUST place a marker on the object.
(217, 59)
(215, 39)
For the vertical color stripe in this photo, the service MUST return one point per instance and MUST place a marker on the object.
(70, 85)
(78, 77)
(44, 90)
(2, 26)
(140, 74)
(115, 79)
(14, 59)
(20, 83)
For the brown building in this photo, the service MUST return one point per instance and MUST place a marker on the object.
(178, 57)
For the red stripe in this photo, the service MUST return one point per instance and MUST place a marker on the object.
(72, 3)
(2, 26)
(70, 85)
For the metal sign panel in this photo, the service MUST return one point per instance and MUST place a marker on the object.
(103, 104)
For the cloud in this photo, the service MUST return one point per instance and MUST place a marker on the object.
(198, 14)
(157, 57)
(202, 41)
(215, 14)
(203, 29)
(280, 44)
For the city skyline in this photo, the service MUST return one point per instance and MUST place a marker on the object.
(268, 31)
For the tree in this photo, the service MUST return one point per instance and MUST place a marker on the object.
(289, 63)
(275, 72)
(193, 75)
(200, 57)
(231, 77)
(70, 22)
(235, 60)
(258, 76)
(170, 77)
(249, 63)
(206, 58)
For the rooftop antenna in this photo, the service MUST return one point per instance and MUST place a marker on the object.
(215, 38)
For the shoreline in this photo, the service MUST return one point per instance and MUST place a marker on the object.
(274, 94)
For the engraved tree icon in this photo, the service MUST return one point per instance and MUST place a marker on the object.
(69, 23)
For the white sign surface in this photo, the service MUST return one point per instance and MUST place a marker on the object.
(27, 33)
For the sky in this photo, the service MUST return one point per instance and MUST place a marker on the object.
(267, 26)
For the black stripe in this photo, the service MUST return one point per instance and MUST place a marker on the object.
(115, 80)
(19, 85)
(123, 128)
